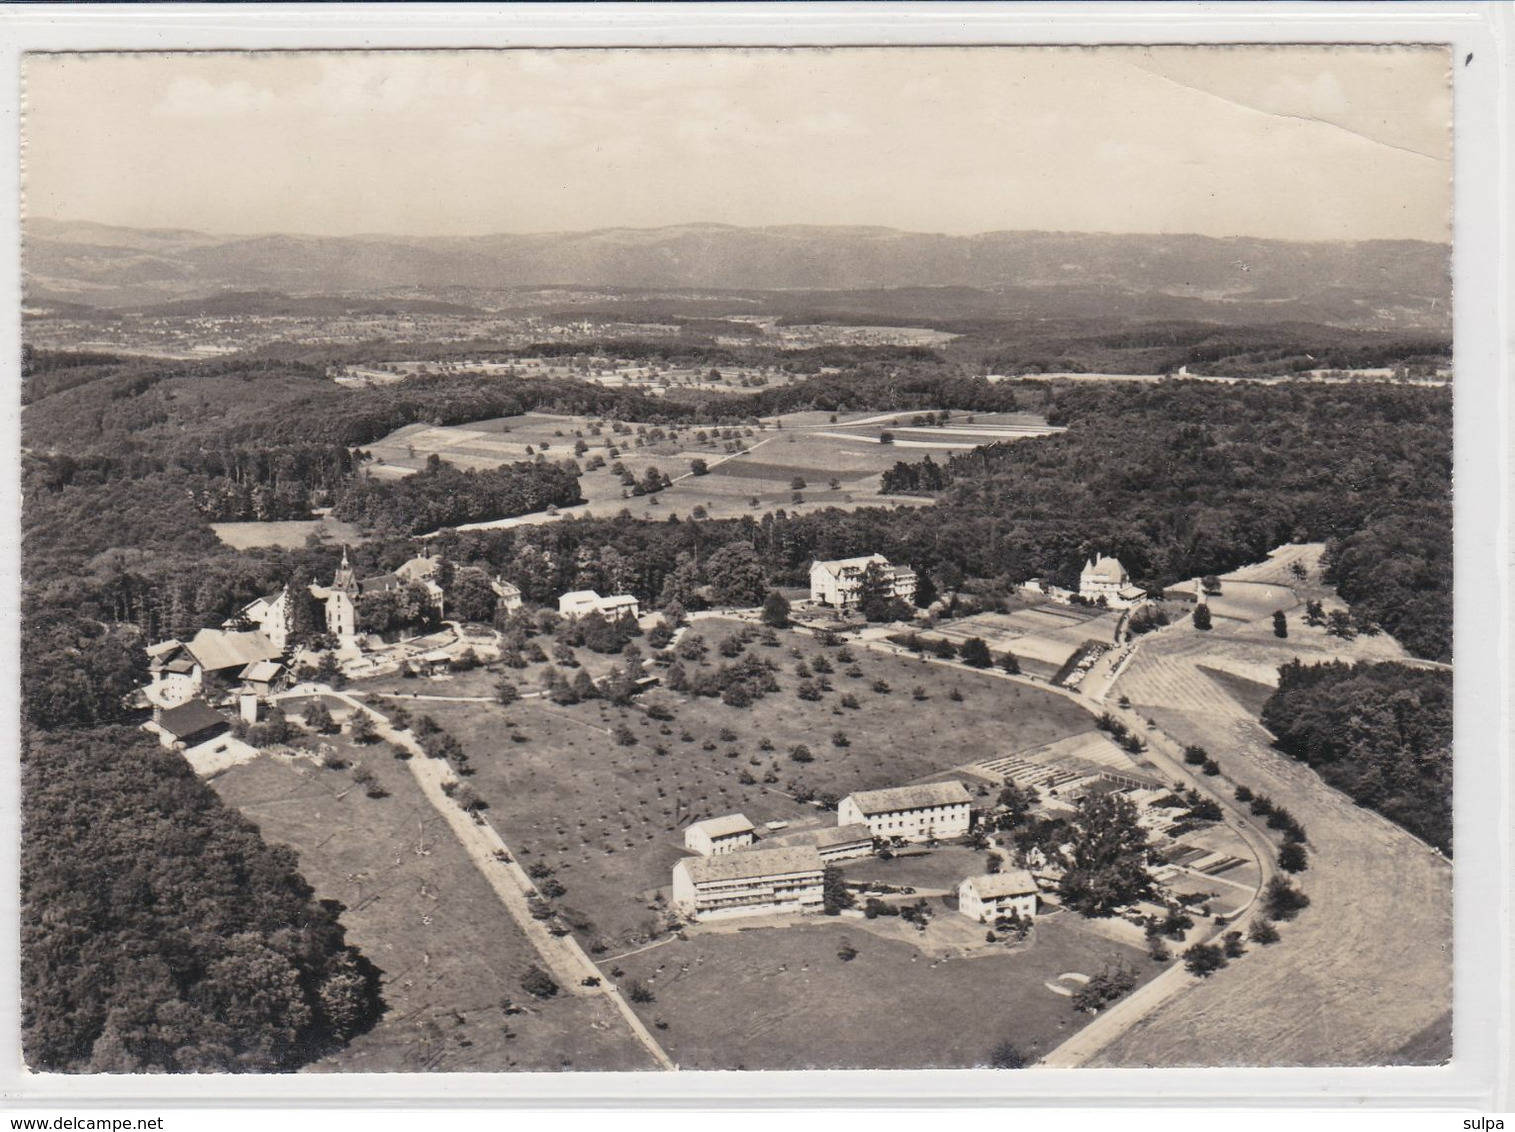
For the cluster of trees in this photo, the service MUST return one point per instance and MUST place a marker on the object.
(159, 932)
(1108, 868)
(1381, 733)
(441, 495)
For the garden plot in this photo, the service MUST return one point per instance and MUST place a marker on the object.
(1047, 634)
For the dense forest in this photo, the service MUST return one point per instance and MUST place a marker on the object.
(1381, 733)
(159, 932)
(440, 495)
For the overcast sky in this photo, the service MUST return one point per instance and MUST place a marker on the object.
(1299, 143)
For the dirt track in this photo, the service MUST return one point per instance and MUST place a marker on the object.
(1366, 970)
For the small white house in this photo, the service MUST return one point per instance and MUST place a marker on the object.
(839, 584)
(724, 834)
(581, 603)
(938, 810)
(987, 898)
(753, 882)
(509, 594)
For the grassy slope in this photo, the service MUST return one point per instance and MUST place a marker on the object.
(417, 907)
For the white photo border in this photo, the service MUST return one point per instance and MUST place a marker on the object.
(1480, 39)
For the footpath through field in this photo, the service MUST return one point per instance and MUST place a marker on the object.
(562, 955)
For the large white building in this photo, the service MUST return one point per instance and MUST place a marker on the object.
(725, 834)
(581, 603)
(986, 898)
(934, 810)
(753, 882)
(1105, 577)
(839, 584)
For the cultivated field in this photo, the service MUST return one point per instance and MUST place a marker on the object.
(1043, 635)
(781, 998)
(790, 461)
(290, 533)
(418, 909)
(609, 818)
(1363, 977)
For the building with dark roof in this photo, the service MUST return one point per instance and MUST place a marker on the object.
(189, 724)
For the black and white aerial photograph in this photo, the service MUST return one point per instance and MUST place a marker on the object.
(641, 559)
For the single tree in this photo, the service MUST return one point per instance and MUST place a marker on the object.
(1280, 624)
(975, 653)
(1293, 858)
(1204, 959)
(361, 727)
(1202, 617)
(1006, 1056)
(1108, 863)
(776, 610)
(835, 895)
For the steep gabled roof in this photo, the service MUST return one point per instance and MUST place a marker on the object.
(261, 670)
(1105, 569)
(1011, 882)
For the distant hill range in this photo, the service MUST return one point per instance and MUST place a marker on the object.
(1378, 284)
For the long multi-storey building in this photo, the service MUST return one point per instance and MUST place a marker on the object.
(752, 882)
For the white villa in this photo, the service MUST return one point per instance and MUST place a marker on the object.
(937, 810)
(753, 882)
(714, 836)
(1105, 577)
(987, 898)
(839, 584)
(581, 603)
(508, 593)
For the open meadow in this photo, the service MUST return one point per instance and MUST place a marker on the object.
(782, 997)
(417, 908)
(608, 817)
